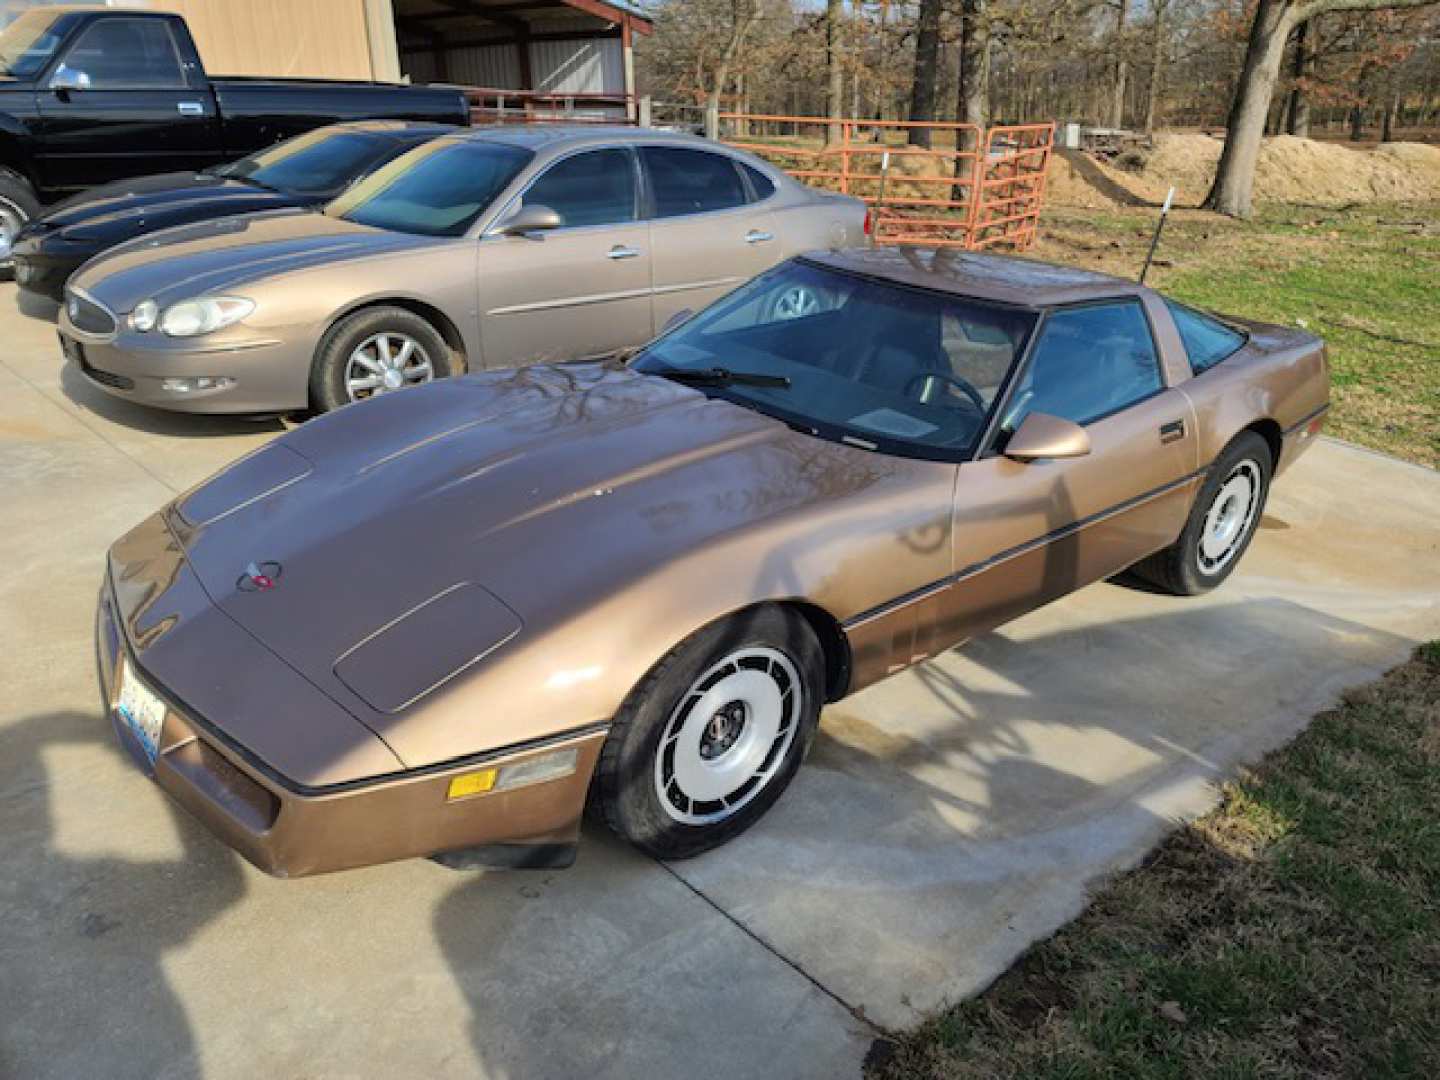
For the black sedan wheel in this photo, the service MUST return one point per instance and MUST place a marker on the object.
(18, 206)
(713, 735)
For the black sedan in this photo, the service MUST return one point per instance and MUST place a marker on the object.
(308, 170)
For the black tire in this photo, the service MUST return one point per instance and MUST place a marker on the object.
(1182, 567)
(626, 790)
(327, 373)
(18, 202)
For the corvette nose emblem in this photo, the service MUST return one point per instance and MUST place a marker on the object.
(259, 577)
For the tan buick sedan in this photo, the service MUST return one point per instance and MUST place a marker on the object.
(442, 621)
(490, 248)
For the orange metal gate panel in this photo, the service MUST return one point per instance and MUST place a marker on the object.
(983, 190)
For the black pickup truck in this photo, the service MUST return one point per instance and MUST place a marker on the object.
(88, 96)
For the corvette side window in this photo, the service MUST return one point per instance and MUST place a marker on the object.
(1207, 341)
(593, 188)
(1090, 361)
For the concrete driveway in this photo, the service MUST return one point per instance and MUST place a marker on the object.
(947, 817)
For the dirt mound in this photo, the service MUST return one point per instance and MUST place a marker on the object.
(1290, 170)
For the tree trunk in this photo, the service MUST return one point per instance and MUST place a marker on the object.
(1157, 67)
(1387, 124)
(835, 90)
(1122, 69)
(973, 105)
(927, 56)
(1297, 120)
(1232, 192)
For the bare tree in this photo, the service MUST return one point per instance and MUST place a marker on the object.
(1297, 120)
(745, 12)
(1122, 67)
(834, 68)
(1271, 28)
(1158, 42)
(973, 106)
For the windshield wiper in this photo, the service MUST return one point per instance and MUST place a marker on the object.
(719, 376)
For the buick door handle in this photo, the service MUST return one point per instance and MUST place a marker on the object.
(1172, 431)
(190, 108)
(758, 236)
(620, 251)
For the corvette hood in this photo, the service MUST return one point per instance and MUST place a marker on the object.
(543, 486)
(229, 252)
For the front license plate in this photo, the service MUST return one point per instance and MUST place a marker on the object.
(141, 709)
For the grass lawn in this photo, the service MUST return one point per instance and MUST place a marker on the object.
(1365, 279)
(1292, 932)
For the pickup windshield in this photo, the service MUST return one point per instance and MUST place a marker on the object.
(870, 363)
(314, 163)
(28, 43)
(438, 189)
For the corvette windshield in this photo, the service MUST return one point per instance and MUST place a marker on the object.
(870, 363)
(438, 189)
(313, 163)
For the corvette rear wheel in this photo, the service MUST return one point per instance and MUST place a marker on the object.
(377, 351)
(713, 735)
(1221, 523)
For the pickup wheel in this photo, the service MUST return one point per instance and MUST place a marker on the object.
(1221, 523)
(18, 205)
(712, 736)
(378, 350)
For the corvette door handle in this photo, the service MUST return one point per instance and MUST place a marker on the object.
(620, 251)
(758, 236)
(190, 108)
(1172, 431)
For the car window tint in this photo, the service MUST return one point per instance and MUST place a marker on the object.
(121, 54)
(1207, 341)
(1089, 362)
(437, 189)
(691, 181)
(761, 184)
(316, 162)
(593, 188)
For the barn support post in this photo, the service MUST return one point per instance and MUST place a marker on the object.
(627, 47)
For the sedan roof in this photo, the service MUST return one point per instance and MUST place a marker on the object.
(1006, 279)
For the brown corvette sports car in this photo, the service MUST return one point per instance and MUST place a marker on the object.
(443, 621)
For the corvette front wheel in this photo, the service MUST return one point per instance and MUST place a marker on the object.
(707, 742)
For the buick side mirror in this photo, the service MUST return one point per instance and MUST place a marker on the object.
(530, 219)
(1041, 435)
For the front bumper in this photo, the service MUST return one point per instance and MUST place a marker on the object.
(43, 268)
(290, 831)
(264, 375)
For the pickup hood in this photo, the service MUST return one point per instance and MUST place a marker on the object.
(116, 212)
(230, 252)
(549, 487)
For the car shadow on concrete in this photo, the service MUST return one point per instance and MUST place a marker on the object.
(92, 399)
(84, 990)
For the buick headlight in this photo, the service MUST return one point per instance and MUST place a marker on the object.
(204, 315)
(145, 316)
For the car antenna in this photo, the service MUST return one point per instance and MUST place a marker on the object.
(1155, 240)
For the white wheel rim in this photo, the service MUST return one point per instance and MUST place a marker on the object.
(727, 738)
(384, 363)
(1228, 521)
(11, 223)
(796, 303)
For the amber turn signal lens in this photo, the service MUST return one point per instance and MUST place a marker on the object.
(475, 783)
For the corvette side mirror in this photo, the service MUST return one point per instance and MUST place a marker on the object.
(530, 219)
(1041, 435)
